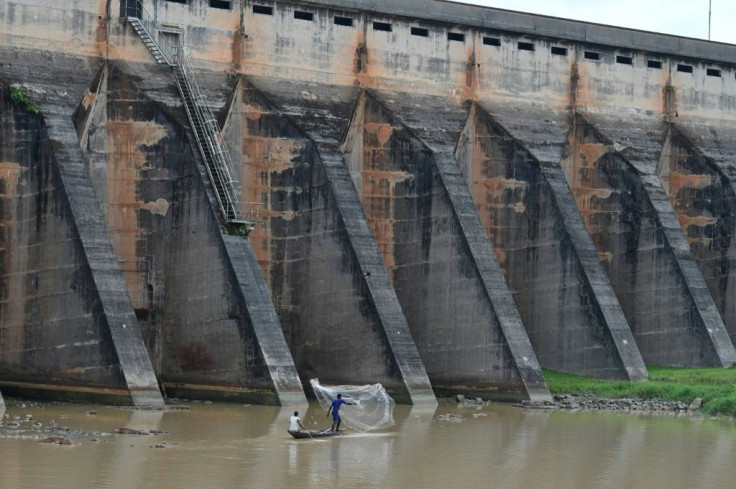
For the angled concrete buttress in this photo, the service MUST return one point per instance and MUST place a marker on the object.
(641, 245)
(108, 295)
(698, 172)
(264, 321)
(595, 339)
(198, 292)
(340, 313)
(2, 405)
(451, 289)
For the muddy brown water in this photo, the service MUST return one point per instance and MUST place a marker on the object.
(496, 446)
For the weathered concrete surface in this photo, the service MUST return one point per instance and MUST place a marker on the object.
(640, 144)
(105, 349)
(139, 158)
(635, 250)
(528, 89)
(563, 296)
(340, 313)
(264, 321)
(461, 315)
(101, 259)
(698, 173)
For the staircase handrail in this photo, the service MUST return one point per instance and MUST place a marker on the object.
(149, 24)
(208, 117)
(220, 167)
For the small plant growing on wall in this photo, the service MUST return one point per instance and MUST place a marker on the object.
(20, 97)
(669, 88)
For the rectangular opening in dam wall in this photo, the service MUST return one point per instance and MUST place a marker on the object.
(559, 51)
(713, 72)
(624, 60)
(177, 1)
(300, 15)
(651, 63)
(592, 55)
(684, 68)
(525, 46)
(455, 36)
(221, 4)
(419, 31)
(343, 21)
(491, 41)
(262, 9)
(382, 26)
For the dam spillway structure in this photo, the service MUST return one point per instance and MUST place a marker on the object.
(222, 200)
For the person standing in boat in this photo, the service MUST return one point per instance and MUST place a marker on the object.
(295, 423)
(335, 410)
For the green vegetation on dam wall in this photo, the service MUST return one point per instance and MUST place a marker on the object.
(715, 386)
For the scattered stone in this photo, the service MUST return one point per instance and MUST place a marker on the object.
(133, 431)
(460, 398)
(91, 412)
(455, 418)
(57, 440)
(587, 403)
(695, 405)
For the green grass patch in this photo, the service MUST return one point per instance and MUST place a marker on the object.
(716, 386)
(20, 97)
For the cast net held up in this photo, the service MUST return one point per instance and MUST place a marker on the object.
(373, 409)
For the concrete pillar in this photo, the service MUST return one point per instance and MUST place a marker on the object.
(625, 225)
(264, 322)
(700, 184)
(460, 311)
(570, 309)
(109, 287)
(702, 338)
(205, 311)
(340, 313)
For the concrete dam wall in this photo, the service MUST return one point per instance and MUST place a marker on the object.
(438, 197)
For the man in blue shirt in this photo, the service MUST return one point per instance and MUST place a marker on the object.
(335, 410)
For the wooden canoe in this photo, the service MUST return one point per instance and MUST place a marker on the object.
(314, 433)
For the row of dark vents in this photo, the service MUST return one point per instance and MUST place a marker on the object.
(460, 37)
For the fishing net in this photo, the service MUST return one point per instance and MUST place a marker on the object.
(373, 409)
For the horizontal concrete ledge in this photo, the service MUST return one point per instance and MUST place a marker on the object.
(222, 393)
(67, 393)
(501, 393)
(540, 25)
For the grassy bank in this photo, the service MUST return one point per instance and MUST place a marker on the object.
(716, 386)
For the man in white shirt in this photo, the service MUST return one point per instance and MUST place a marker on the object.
(295, 423)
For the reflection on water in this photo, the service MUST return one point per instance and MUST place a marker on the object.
(497, 446)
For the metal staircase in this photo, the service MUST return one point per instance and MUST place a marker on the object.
(205, 127)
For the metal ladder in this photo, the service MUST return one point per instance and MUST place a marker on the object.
(205, 127)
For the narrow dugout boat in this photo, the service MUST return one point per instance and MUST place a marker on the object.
(315, 433)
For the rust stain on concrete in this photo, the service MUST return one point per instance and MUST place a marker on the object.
(589, 153)
(127, 157)
(381, 131)
(88, 100)
(579, 166)
(9, 173)
(605, 256)
(265, 160)
(698, 221)
(678, 181)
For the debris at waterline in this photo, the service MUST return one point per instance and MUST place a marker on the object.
(570, 402)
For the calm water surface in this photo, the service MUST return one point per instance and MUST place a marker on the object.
(498, 446)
